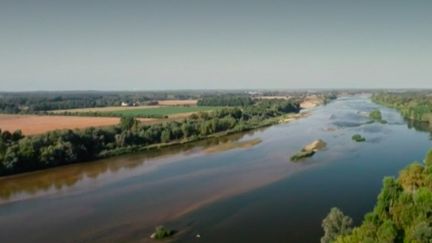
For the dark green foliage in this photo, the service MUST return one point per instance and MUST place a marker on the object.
(20, 154)
(156, 112)
(309, 150)
(165, 136)
(376, 116)
(428, 160)
(161, 233)
(127, 122)
(226, 100)
(358, 138)
(39, 102)
(335, 224)
(303, 154)
(403, 212)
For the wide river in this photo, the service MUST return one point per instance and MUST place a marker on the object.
(241, 188)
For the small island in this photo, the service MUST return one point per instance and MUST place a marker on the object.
(358, 138)
(161, 233)
(375, 116)
(309, 150)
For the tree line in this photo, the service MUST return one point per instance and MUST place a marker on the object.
(415, 106)
(39, 102)
(20, 153)
(403, 211)
(105, 114)
(226, 100)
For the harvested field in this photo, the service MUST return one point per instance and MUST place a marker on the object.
(177, 102)
(37, 124)
(32, 124)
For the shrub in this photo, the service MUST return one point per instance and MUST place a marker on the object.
(161, 233)
(358, 138)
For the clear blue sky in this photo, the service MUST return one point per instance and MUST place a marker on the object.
(183, 44)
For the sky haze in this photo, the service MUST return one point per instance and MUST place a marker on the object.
(188, 44)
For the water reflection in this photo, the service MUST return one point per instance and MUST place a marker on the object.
(420, 126)
(57, 179)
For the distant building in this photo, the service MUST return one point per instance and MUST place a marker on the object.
(125, 104)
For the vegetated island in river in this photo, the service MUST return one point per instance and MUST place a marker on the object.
(162, 233)
(358, 138)
(309, 150)
(375, 116)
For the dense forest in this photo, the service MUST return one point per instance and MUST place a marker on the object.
(226, 100)
(38, 102)
(412, 105)
(403, 211)
(19, 153)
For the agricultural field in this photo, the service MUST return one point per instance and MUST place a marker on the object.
(121, 108)
(37, 124)
(33, 124)
(177, 102)
(104, 109)
(162, 111)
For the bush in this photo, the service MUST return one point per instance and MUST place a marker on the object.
(358, 138)
(376, 116)
(161, 233)
(335, 224)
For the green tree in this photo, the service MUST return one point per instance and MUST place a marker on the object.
(387, 232)
(17, 135)
(165, 136)
(420, 233)
(428, 159)
(388, 196)
(128, 122)
(335, 224)
(412, 177)
(187, 129)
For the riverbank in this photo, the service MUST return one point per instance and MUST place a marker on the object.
(413, 106)
(22, 153)
(266, 123)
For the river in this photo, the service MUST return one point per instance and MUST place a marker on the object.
(241, 188)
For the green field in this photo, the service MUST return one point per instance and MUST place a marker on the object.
(160, 111)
